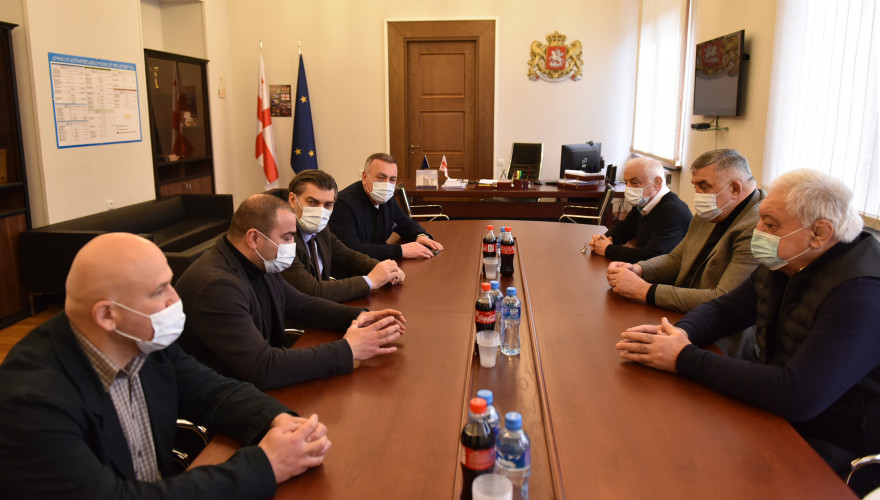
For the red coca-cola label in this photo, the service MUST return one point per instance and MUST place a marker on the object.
(477, 459)
(506, 249)
(488, 248)
(485, 317)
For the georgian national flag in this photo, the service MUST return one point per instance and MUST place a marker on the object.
(179, 145)
(265, 146)
(443, 166)
(304, 154)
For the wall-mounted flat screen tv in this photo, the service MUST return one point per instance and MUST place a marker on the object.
(717, 79)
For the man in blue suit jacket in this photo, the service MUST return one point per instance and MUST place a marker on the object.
(90, 398)
(364, 217)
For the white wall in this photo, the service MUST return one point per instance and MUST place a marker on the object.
(80, 181)
(712, 19)
(344, 49)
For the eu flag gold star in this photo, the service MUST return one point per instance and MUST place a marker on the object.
(297, 151)
(311, 153)
(303, 99)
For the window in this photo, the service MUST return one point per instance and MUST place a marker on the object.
(823, 95)
(659, 77)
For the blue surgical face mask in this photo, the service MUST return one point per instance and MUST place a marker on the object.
(636, 196)
(382, 191)
(284, 258)
(765, 248)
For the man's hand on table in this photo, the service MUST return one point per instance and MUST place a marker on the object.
(368, 341)
(625, 280)
(294, 444)
(657, 346)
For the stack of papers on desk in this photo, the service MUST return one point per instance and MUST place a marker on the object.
(454, 184)
(487, 182)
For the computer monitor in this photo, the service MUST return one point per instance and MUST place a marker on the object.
(586, 157)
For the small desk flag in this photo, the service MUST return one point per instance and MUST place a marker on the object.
(265, 150)
(443, 166)
(304, 154)
(425, 165)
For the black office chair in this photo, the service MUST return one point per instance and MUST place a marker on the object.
(526, 157)
(435, 213)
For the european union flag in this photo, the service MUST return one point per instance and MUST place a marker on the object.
(425, 165)
(304, 155)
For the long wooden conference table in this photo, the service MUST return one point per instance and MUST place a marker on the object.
(600, 427)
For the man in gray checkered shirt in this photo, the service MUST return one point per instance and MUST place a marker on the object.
(90, 398)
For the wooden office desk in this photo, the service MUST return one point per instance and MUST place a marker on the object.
(468, 203)
(600, 427)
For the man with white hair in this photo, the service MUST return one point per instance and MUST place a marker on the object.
(656, 223)
(814, 304)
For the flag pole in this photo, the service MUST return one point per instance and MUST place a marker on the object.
(299, 46)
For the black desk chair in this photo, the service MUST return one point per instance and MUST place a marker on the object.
(526, 157)
(190, 440)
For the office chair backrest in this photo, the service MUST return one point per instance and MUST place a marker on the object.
(526, 157)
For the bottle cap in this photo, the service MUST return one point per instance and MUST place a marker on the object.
(494, 284)
(490, 227)
(512, 420)
(507, 229)
(486, 394)
(511, 290)
(478, 406)
(485, 287)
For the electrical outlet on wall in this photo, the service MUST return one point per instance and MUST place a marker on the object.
(110, 205)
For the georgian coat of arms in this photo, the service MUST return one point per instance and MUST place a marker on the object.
(556, 61)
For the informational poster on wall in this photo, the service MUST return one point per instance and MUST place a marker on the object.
(95, 100)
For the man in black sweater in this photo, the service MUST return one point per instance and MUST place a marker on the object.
(657, 222)
(364, 216)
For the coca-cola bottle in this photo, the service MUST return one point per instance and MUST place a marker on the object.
(484, 315)
(507, 252)
(489, 243)
(477, 447)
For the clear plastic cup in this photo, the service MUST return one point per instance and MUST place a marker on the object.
(490, 265)
(492, 487)
(488, 342)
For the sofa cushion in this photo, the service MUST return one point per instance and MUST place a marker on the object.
(188, 233)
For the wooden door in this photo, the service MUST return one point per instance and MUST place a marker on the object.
(441, 89)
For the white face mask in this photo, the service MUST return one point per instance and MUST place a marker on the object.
(314, 219)
(382, 191)
(765, 248)
(167, 325)
(705, 204)
(286, 254)
(636, 196)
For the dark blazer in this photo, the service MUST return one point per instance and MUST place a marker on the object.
(61, 436)
(656, 233)
(225, 328)
(346, 265)
(354, 218)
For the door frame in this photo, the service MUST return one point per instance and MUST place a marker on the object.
(482, 30)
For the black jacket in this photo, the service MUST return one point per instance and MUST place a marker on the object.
(355, 218)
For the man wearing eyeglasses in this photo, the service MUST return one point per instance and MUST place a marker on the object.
(364, 216)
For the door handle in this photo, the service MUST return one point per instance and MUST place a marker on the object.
(412, 146)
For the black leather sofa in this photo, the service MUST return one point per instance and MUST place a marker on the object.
(182, 226)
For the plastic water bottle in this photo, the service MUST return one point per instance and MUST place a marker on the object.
(498, 298)
(494, 419)
(477, 447)
(498, 248)
(510, 313)
(513, 457)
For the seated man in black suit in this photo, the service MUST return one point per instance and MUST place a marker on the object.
(312, 195)
(364, 218)
(90, 398)
(657, 222)
(237, 304)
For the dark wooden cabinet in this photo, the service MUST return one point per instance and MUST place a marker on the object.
(14, 207)
(180, 124)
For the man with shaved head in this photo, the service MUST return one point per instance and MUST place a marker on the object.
(658, 219)
(90, 398)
